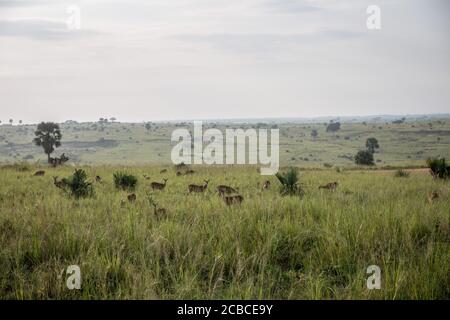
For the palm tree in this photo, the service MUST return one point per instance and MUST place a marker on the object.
(48, 136)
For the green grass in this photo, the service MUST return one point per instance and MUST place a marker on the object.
(407, 144)
(270, 247)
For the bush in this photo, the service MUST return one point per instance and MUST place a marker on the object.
(364, 157)
(401, 174)
(77, 185)
(438, 168)
(289, 183)
(123, 180)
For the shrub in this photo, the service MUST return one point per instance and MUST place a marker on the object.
(438, 168)
(364, 157)
(289, 183)
(401, 173)
(77, 185)
(123, 180)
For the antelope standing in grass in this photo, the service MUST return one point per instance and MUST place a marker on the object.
(197, 188)
(329, 186)
(131, 197)
(159, 186)
(59, 183)
(229, 200)
(222, 189)
(39, 173)
(266, 185)
(433, 196)
(98, 179)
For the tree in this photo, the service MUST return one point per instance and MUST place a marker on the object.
(112, 119)
(48, 136)
(372, 144)
(364, 157)
(20, 121)
(11, 121)
(334, 126)
(314, 133)
(148, 126)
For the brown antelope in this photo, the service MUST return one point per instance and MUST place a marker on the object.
(179, 173)
(163, 171)
(146, 177)
(433, 196)
(266, 185)
(98, 179)
(159, 186)
(59, 183)
(39, 173)
(197, 188)
(329, 186)
(229, 200)
(131, 197)
(222, 189)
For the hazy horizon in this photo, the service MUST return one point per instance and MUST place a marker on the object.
(226, 59)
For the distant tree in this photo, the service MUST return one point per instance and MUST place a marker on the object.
(333, 126)
(364, 157)
(48, 136)
(148, 126)
(372, 144)
(112, 119)
(11, 121)
(20, 121)
(314, 133)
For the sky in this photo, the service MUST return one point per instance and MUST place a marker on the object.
(152, 60)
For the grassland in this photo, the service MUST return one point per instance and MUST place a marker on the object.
(313, 247)
(401, 144)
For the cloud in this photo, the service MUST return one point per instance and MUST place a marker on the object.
(252, 42)
(42, 29)
(17, 3)
(291, 6)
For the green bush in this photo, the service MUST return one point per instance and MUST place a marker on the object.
(438, 168)
(364, 157)
(289, 183)
(77, 185)
(401, 173)
(123, 180)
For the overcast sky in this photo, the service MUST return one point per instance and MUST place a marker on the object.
(149, 60)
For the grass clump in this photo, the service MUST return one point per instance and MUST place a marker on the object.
(401, 173)
(123, 180)
(438, 168)
(290, 184)
(78, 185)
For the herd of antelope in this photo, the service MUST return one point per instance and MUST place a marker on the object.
(229, 194)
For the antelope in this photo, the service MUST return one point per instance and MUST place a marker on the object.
(229, 200)
(179, 173)
(222, 189)
(98, 179)
(131, 197)
(190, 171)
(197, 188)
(59, 183)
(266, 185)
(146, 177)
(158, 212)
(39, 173)
(159, 186)
(433, 196)
(163, 171)
(329, 186)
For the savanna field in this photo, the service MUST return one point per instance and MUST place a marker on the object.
(315, 246)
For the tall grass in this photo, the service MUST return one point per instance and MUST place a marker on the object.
(271, 246)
